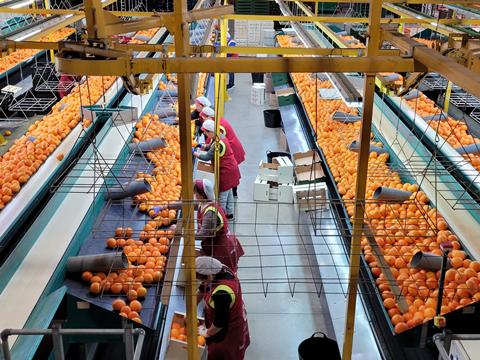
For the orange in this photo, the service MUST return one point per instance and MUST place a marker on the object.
(135, 305)
(401, 327)
(389, 303)
(118, 304)
(174, 333)
(141, 292)
(86, 276)
(95, 288)
(132, 295)
(111, 243)
(201, 340)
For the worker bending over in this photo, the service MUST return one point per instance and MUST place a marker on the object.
(226, 323)
(226, 130)
(229, 176)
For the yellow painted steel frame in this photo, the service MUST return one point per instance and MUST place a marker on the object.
(220, 92)
(373, 46)
(448, 92)
(181, 48)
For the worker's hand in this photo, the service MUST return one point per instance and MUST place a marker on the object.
(196, 154)
(156, 210)
(202, 331)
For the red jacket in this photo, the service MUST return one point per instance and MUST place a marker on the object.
(235, 143)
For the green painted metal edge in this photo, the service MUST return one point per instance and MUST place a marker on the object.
(47, 308)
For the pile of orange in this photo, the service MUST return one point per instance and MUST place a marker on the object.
(455, 132)
(179, 332)
(400, 229)
(166, 175)
(29, 152)
(20, 55)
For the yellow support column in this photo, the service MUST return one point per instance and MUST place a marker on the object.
(220, 94)
(448, 92)
(358, 218)
(181, 36)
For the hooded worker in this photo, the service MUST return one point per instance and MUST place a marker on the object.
(212, 226)
(226, 322)
(200, 103)
(226, 130)
(229, 176)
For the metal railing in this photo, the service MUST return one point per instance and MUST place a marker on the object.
(132, 352)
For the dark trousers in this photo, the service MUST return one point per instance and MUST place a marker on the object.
(231, 80)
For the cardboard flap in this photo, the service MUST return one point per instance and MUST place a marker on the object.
(306, 158)
(312, 172)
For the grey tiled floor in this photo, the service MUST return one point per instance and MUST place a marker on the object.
(278, 320)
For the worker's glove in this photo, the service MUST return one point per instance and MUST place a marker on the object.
(202, 331)
(157, 209)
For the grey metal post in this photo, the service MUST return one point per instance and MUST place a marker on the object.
(57, 342)
(5, 347)
(129, 344)
(138, 348)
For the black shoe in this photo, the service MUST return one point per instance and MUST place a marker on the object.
(230, 217)
(234, 191)
(230, 86)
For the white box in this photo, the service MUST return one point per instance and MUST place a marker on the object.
(265, 191)
(279, 171)
(177, 349)
(464, 349)
(310, 196)
(257, 94)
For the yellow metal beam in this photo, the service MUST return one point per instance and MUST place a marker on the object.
(428, 23)
(191, 16)
(436, 62)
(239, 65)
(373, 46)
(182, 49)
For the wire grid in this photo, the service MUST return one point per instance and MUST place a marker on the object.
(34, 104)
(90, 174)
(49, 79)
(435, 81)
(281, 254)
(464, 100)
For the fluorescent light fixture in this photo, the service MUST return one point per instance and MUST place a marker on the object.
(68, 16)
(28, 35)
(434, 23)
(21, 4)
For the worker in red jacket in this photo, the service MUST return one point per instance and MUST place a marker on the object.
(212, 226)
(229, 171)
(226, 130)
(217, 241)
(226, 322)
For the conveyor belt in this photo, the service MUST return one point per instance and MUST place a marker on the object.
(50, 237)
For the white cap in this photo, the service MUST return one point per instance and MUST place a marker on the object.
(203, 100)
(208, 112)
(207, 265)
(208, 125)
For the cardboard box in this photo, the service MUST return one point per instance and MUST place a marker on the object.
(205, 170)
(286, 96)
(182, 276)
(177, 349)
(279, 171)
(309, 173)
(306, 158)
(279, 79)
(310, 196)
(270, 191)
(273, 100)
